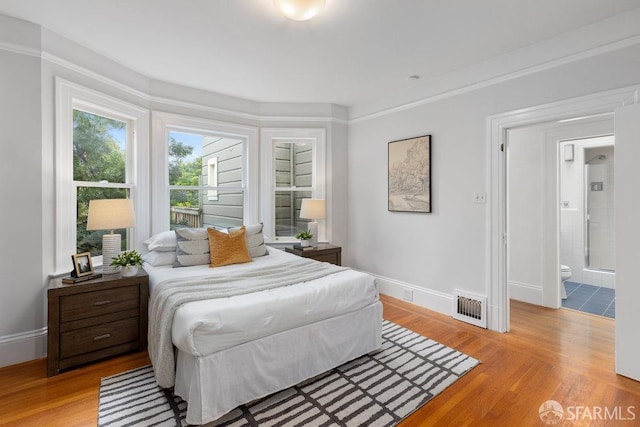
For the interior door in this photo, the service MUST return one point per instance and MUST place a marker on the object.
(627, 235)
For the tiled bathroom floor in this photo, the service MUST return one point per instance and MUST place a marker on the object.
(590, 299)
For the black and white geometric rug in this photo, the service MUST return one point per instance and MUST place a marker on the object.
(378, 389)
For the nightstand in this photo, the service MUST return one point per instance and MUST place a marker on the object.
(95, 319)
(323, 252)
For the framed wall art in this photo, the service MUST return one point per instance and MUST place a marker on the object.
(410, 175)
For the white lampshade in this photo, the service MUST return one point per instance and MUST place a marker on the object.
(313, 209)
(299, 10)
(110, 214)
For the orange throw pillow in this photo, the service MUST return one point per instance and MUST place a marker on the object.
(226, 249)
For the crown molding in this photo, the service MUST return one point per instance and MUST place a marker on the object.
(146, 97)
(587, 53)
(238, 114)
(303, 119)
(93, 75)
(22, 50)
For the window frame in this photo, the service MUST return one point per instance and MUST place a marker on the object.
(163, 123)
(268, 138)
(69, 97)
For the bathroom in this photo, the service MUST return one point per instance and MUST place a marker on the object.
(587, 243)
(547, 226)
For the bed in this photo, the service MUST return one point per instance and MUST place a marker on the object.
(238, 346)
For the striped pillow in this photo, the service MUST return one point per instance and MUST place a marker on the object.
(255, 240)
(192, 247)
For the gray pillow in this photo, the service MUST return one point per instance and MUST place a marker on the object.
(255, 240)
(192, 247)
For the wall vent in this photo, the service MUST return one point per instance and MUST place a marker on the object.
(470, 308)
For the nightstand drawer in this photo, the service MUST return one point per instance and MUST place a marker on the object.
(97, 337)
(324, 252)
(330, 258)
(90, 304)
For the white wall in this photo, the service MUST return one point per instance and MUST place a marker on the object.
(435, 253)
(31, 58)
(22, 282)
(525, 212)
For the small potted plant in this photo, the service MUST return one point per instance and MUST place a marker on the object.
(305, 238)
(130, 261)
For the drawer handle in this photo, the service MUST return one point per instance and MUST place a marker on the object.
(102, 337)
(105, 302)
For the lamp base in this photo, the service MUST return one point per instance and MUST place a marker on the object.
(110, 250)
(313, 229)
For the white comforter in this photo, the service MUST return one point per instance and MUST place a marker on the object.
(205, 327)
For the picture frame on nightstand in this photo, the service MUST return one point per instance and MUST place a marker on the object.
(82, 265)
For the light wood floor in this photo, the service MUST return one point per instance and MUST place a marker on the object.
(562, 355)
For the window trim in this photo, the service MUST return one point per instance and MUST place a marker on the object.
(318, 137)
(70, 96)
(162, 124)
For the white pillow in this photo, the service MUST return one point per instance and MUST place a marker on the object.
(159, 258)
(163, 242)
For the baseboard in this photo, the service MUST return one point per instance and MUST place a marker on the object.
(427, 298)
(23, 347)
(525, 292)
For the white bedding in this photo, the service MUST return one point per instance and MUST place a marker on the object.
(201, 328)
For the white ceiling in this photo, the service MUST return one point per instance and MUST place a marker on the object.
(355, 53)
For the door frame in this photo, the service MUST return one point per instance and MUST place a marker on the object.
(497, 126)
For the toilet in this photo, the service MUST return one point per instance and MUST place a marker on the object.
(565, 274)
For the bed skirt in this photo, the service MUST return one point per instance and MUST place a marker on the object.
(216, 384)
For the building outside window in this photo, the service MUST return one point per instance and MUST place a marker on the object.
(206, 183)
(202, 174)
(293, 168)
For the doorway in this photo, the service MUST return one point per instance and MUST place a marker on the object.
(603, 103)
(624, 102)
(545, 194)
(587, 240)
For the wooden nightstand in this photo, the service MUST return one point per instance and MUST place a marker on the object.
(323, 252)
(96, 319)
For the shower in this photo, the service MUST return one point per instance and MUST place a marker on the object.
(598, 197)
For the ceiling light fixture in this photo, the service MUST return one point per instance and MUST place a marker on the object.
(299, 10)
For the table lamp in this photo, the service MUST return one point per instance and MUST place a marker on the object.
(313, 209)
(110, 214)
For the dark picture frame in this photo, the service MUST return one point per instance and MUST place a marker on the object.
(82, 265)
(409, 175)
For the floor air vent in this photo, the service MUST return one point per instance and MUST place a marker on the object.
(470, 308)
